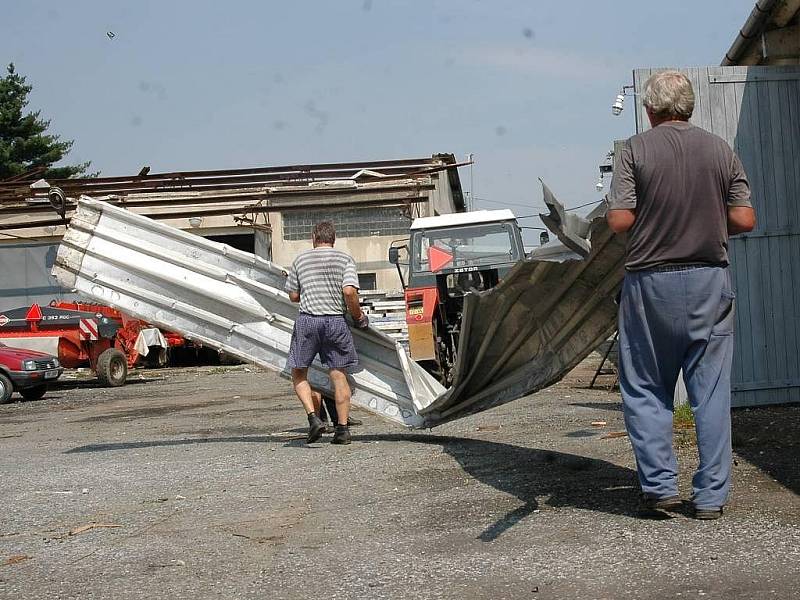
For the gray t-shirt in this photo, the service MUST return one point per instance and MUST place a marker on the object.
(319, 275)
(680, 180)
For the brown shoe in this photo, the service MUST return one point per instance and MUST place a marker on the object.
(706, 514)
(655, 507)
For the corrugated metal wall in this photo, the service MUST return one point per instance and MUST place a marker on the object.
(757, 110)
(25, 275)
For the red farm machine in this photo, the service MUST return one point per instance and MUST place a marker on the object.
(79, 335)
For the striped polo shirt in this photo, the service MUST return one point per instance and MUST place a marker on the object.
(319, 275)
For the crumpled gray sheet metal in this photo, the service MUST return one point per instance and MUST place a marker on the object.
(547, 315)
(221, 297)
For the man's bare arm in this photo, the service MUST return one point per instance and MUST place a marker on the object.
(351, 300)
(620, 219)
(294, 296)
(741, 219)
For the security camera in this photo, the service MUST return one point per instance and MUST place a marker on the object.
(618, 105)
(599, 186)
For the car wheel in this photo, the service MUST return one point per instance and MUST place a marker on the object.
(6, 389)
(112, 368)
(34, 393)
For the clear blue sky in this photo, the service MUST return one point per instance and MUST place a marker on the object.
(524, 85)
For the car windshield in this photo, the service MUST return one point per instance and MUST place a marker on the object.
(464, 247)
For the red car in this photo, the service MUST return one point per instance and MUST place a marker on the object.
(27, 372)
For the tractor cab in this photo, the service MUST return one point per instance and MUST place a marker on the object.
(450, 256)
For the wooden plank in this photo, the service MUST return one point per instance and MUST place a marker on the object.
(748, 132)
(766, 118)
(640, 77)
(768, 384)
(792, 133)
(754, 289)
(775, 197)
(742, 143)
(785, 314)
(743, 349)
(793, 320)
(776, 308)
(702, 116)
(730, 77)
(775, 91)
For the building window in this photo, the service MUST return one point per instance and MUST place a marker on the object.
(367, 281)
(361, 222)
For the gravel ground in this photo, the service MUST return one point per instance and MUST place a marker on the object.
(199, 485)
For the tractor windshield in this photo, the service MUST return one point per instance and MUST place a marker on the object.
(467, 247)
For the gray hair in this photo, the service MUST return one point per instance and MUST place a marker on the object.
(669, 93)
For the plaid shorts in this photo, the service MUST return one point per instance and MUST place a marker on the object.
(328, 336)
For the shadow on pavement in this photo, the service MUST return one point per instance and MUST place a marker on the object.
(766, 437)
(564, 480)
(71, 384)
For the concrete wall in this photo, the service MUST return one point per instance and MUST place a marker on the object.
(370, 253)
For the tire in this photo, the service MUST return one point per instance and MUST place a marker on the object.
(112, 368)
(34, 393)
(6, 389)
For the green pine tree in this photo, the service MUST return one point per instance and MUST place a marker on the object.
(24, 145)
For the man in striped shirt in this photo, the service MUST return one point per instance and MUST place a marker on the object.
(325, 283)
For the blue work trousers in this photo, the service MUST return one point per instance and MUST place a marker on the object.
(671, 320)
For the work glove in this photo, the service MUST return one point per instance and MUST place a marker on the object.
(363, 322)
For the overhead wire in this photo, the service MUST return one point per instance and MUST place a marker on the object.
(535, 205)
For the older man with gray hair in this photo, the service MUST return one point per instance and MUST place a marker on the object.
(679, 192)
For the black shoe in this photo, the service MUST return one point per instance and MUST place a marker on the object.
(706, 514)
(341, 435)
(655, 507)
(315, 428)
(353, 422)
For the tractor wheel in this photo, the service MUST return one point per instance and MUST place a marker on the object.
(112, 368)
(6, 389)
(34, 393)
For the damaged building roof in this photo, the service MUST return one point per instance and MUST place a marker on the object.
(232, 191)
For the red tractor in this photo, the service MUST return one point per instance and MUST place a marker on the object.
(449, 256)
(78, 334)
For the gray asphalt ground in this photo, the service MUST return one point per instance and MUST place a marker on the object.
(200, 485)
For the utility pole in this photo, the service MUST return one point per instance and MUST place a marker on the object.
(471, 204)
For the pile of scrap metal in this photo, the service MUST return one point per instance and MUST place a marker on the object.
(526, 333)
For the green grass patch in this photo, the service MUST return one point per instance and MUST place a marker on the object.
(683, 418)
